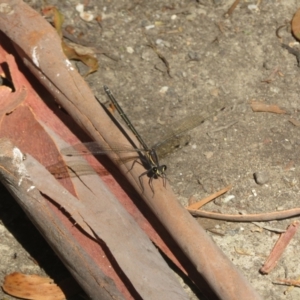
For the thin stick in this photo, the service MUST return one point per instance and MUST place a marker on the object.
(232, 8)
(277, 215)
(211, 197)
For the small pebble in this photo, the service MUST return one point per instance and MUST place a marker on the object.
(208, 154)
(191, 17)
(159, 42)
(233, 232)
(84, 15)
(87, 16)
(261, 177)
(150, 27)
(253, 7)
(214, 92)
(268, 65)
(228, 198)
(210, 82)
(163, 90)
(160, 66)
(274, 90)
(254, 193)
(80, 8)
(286, 144)
(193, 56)
(129, 50)
(162, 43)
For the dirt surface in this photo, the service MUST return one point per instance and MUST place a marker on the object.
(166, 60)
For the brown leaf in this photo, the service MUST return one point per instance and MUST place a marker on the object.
(296, 25)
(58, 18)
(70, 51)
(87, 59)
(263, 107)
(32, 287)
(279, 247)
(294, 122)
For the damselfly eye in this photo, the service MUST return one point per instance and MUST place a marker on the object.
(155, 170)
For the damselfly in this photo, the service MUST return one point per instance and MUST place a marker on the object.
(149, 157)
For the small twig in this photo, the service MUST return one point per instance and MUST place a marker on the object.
(232, 8)
(211, 197)
(221, 27)
(271, 77)
(289, 282)
(277, 230)
(277, 215)
(163, 59)
(160, 56)
(223, 127)
(279, 29)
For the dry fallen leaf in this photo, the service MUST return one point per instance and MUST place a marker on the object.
(294, 122)
(296, 25)
(72, 52)
(279, 248)
(263, 107)
(32, 287)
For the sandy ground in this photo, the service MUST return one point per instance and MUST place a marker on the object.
(211, 61)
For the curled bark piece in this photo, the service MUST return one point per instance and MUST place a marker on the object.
(30, 183)
(15, 177)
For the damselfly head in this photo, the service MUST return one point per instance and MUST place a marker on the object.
(159, 171)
